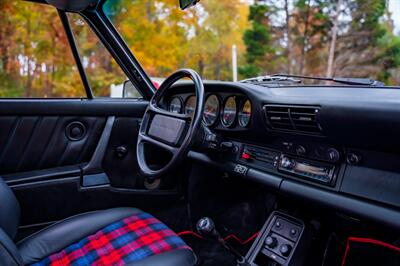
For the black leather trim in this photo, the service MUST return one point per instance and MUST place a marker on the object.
(181, 257)
(8, 251)
(64, 107)
(66, 232)
(9, 210)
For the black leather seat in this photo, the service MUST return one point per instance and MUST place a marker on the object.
(78, 236)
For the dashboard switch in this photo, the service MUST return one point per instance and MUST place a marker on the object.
(227, 144)
(246, 156)
(240, 169)
(293, 232)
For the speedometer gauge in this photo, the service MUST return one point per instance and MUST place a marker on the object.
(245, 114)
(229, 112)
(211, 110)
(175, 106)
(190, 105)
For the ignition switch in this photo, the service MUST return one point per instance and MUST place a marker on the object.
(121, 151)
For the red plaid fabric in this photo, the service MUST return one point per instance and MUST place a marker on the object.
(131, 239)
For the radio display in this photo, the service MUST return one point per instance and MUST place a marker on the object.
(315, 170)
(300, 168)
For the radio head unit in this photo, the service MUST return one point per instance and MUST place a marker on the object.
(315, 171)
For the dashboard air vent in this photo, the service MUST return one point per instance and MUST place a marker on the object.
(303, 119)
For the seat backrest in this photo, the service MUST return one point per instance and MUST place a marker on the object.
(9, 210)
(9, 221)
(9, 254)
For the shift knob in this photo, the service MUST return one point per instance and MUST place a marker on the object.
(206, 227)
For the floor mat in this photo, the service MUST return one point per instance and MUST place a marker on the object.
(212, 253)
(209, 253)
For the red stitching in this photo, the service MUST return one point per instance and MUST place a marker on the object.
(365, 240)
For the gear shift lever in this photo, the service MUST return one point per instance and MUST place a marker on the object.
(206, 228)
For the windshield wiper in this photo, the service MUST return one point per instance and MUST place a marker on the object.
(273, 79)
(279, 78)
(348, 81)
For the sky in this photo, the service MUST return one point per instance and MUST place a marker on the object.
(394, 7)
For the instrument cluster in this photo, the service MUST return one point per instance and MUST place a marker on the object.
(229, 111)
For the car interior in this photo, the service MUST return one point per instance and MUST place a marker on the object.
(257, 172)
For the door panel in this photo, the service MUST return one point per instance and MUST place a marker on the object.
(47, 170)
(41, 142)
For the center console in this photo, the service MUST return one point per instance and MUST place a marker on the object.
(282, 241)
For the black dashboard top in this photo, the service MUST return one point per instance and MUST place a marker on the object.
(359, 117)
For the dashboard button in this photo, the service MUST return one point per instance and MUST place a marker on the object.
(240, 169)
(245, 156)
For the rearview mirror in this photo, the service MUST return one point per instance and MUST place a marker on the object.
(187, 3)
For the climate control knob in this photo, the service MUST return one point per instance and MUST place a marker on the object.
(353, 158)
(333, 154)
(301, 150)
(271, 241)
(285, 250)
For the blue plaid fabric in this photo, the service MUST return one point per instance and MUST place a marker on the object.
(131, 239)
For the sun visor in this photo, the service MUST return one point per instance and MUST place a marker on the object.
(72, 5)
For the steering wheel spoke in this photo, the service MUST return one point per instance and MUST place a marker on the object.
(147, 139)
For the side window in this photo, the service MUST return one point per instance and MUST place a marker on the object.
(105, 76)
(35, 56)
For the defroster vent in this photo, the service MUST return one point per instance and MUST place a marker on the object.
(302, 119)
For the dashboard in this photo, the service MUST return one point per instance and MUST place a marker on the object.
(334, 145)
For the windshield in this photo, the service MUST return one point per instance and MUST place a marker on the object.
(239, 39)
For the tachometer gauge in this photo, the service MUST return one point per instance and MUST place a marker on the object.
(211, 110)
(229, 112)
(245, 114)
(175, 106)
(190, 105)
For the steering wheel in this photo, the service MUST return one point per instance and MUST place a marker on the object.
(172, 132)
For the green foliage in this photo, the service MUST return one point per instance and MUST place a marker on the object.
(9, 87)
(257, 40)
